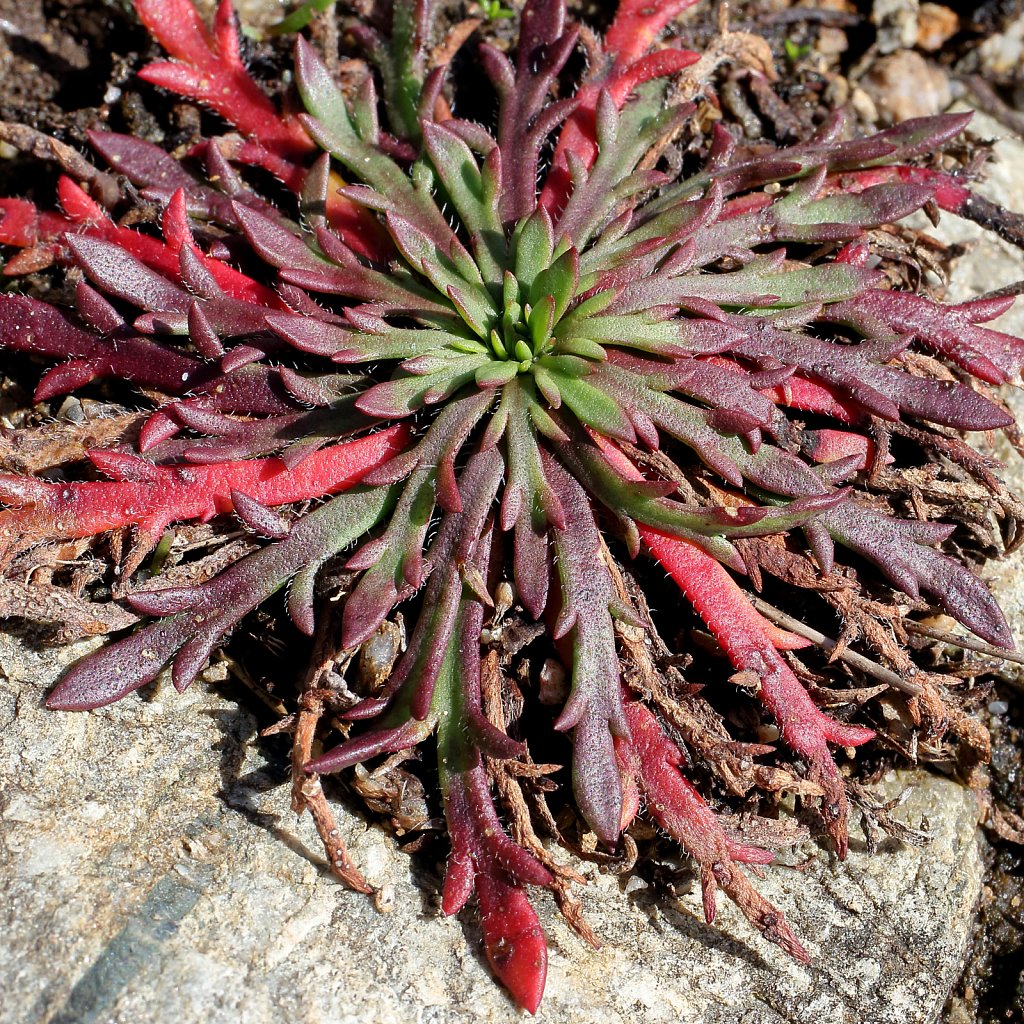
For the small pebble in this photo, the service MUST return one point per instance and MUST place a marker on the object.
(896, 22)
(1002, 53)
(832, 41)
(553, 685)
(904, 85)
(864, 106)
(935, 25)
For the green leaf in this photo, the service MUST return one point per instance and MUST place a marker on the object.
(401, 66)
(591, 405)
(560, 281)
(404, 395)
(534, 243)
(583, 348)
(331, 128)
(542, 320)
(453, 273)
(300, 17)
(594, 709)
(630, 331)
(496, 373)
(763, 285)
(457, 168)
(795, 51)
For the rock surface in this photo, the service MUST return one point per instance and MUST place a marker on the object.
(991, 262)
(153, 873)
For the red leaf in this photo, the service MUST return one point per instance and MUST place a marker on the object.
(652, 760)
(741, 631)
(807, 395)
(484, 858)
(513, 940)
(212, 72)
(159, 495)
(636, 26)
(829, 445)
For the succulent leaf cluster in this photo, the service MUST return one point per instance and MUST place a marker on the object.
(508, 358)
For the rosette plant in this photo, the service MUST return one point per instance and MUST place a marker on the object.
(470, 369)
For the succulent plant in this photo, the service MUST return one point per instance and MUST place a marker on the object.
(469, 369)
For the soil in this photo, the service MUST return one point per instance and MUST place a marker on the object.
(67, 65)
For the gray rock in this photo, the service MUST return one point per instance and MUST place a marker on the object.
(1002, 53)
(153, 873)
(991, 262)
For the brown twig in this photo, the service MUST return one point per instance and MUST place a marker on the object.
(966, 642)
(103, 186)
(307, 792)
(988, 100)
(852, 658)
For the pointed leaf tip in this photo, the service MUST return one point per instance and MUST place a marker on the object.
(513, 940)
